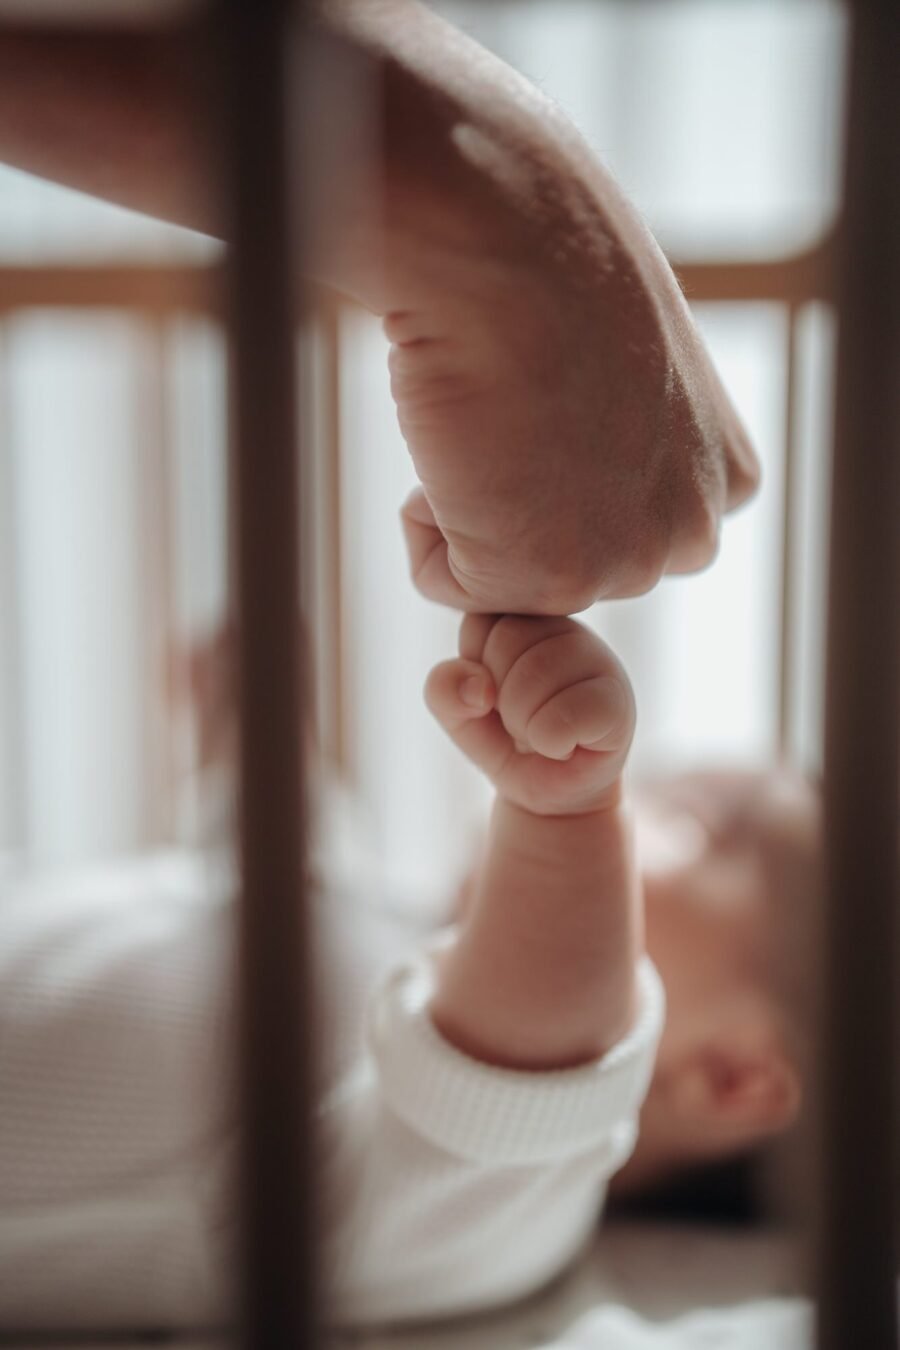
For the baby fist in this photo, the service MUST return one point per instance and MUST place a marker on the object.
(542, 706)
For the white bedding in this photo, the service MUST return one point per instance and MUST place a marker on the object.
(642, 1287)
(645, 1287)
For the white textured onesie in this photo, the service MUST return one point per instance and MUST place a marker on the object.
(452, 1186)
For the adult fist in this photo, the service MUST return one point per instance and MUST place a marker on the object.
(571, 437)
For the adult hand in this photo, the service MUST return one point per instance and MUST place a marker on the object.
(572, 439)
(570, 435)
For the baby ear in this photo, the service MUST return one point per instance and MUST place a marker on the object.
(732, 1095)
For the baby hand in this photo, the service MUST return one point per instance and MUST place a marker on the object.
(542, 706)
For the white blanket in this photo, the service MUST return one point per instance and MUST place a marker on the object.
(778, 1324)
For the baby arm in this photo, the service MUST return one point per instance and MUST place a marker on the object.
(542, 975)
(510, 1057)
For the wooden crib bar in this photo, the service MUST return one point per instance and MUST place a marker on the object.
(857, 1052)
(276, 1059)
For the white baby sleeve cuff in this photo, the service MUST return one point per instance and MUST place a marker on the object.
(505, 1116)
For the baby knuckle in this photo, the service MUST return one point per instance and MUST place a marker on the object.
(551, 732)
(435, 691)
(430, 692)
(545, 660)
(514, 635)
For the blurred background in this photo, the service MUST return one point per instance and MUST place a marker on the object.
(721, 122)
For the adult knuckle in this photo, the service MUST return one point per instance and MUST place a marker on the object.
(697, 536)
(645, 564)
(566, 587)
(743, 468)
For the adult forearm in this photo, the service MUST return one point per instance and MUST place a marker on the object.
(121, 115)
(570, 436)
(419, 143)
(132, 117)
(542, 975)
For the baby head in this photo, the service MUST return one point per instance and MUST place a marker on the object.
(731, 872)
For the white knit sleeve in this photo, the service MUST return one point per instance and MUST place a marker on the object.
(461, 1185)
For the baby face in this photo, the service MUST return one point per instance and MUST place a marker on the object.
(724, 858)
(705, 917)
(728, 861)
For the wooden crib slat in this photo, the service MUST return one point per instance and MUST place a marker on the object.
(279, 1307)
(787, 642)
(856, 1249)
